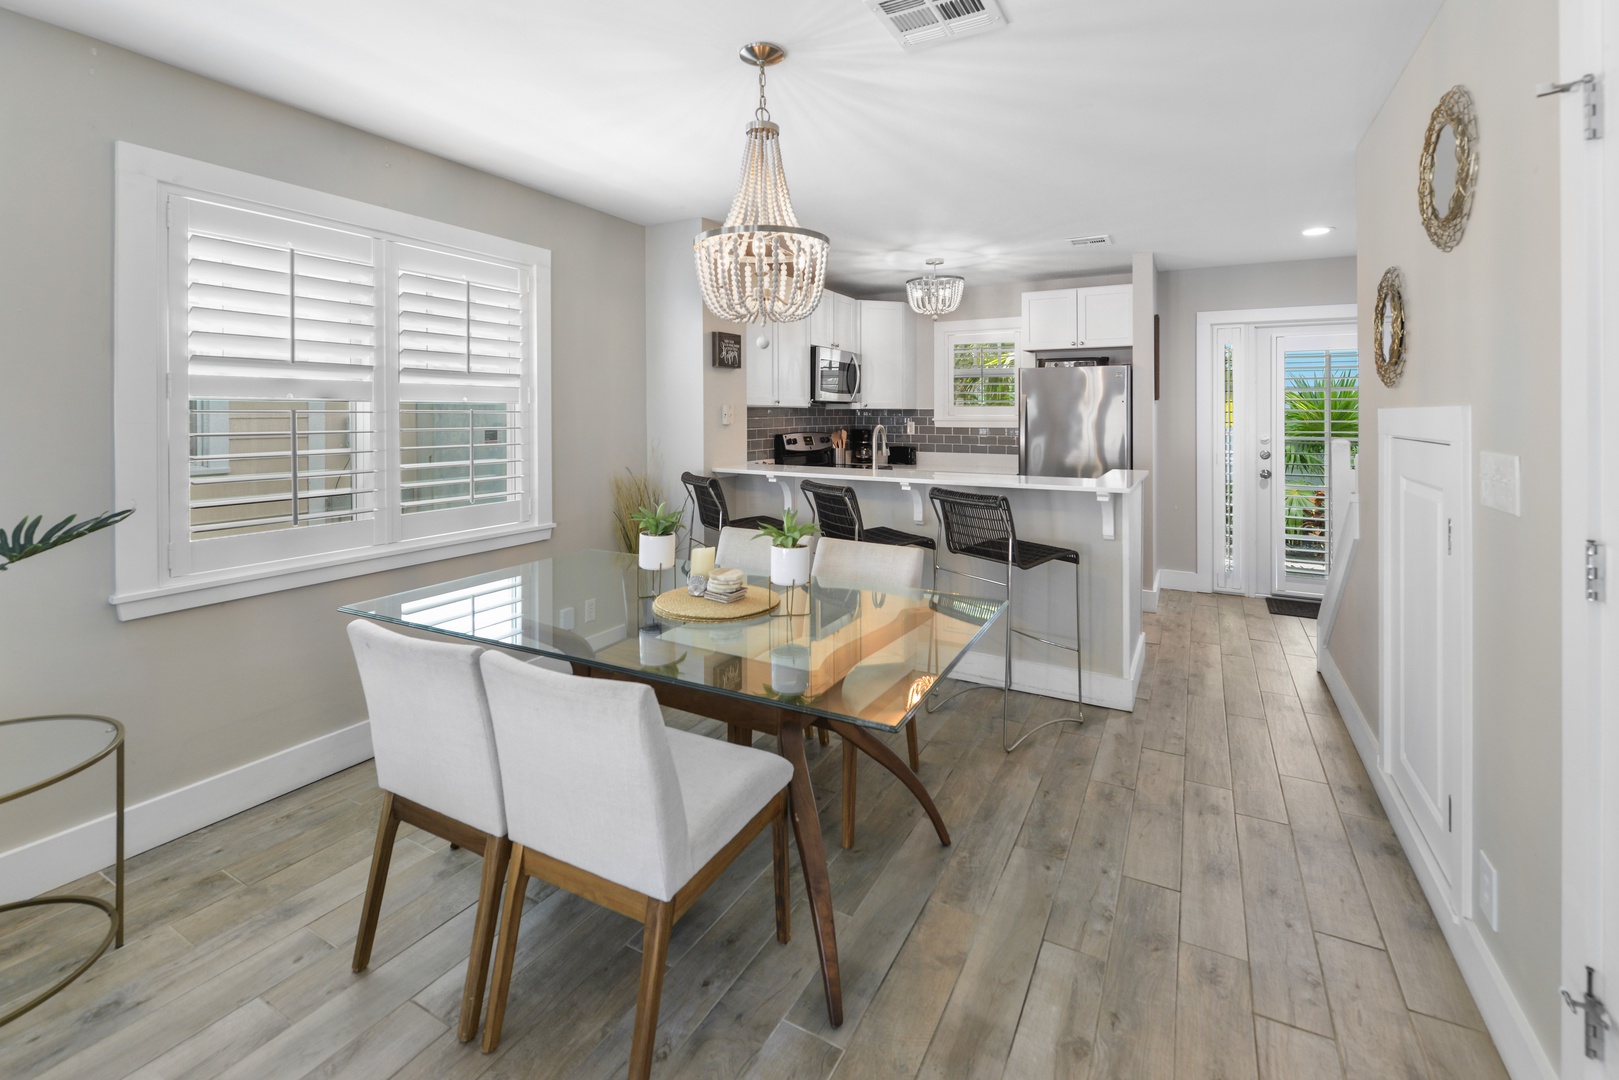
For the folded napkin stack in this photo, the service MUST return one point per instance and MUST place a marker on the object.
(727, 586)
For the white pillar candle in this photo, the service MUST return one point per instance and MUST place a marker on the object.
(702, 561)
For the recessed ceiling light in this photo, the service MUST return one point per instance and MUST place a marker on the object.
(1318, 230)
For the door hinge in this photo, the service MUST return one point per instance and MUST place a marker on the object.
(1593, 571)
(1449, 530)
(1450, 814)
(1597, 1020)
(1590, 105)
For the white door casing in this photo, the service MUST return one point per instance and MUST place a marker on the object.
(1589, 177)
(1426, 636)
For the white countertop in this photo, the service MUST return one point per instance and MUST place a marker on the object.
(1118, 482)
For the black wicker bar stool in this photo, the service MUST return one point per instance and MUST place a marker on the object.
(980, 527)
(712, 513)
(838, 513)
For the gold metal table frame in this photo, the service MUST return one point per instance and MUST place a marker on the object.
(114, 910)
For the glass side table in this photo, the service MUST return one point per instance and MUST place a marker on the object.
(36, 752)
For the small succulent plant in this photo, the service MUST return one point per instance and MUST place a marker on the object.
(792, 531)
(661, 521)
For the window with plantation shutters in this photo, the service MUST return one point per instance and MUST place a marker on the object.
(341, 385)
(976, 372)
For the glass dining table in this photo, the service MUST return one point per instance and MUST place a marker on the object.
(833, 655)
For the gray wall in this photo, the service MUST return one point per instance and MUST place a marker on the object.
(1482, 330)
(209, 689)
(1181, 295)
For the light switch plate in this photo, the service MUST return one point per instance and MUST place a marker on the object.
(726, 415)
(1498, 482)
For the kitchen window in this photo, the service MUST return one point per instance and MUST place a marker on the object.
(311, 388)
(976, 364)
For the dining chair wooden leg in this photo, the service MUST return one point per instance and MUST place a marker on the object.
(851, 765)
(784, 884)
(381, 855)
(738, 735)
(824, 736)
(506, 955)
(496, 850)
(910, 745)
(660, 918)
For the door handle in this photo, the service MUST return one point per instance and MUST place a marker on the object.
(1264, 474)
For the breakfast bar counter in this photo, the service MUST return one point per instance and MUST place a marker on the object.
(1100, 517)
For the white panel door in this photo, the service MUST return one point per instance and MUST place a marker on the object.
(1051, 319)
(1428, 640)
(1106, 316)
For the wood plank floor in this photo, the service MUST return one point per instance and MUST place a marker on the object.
(1205, 887)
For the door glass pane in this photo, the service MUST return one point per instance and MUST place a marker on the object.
(1321, 402)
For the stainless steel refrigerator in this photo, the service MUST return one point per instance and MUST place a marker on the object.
(1073, 421)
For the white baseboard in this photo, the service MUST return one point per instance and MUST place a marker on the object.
(1149, 597)
(1056, 680)
(1515, 1039)
(53, 861)
(1184, 580)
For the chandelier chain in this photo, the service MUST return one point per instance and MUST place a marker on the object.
(762, 114)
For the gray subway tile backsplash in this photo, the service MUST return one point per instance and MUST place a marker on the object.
(765, 423)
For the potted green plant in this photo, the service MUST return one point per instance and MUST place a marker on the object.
(25, 540)
(657, 542)
(790, 553)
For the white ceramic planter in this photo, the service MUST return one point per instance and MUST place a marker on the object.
(789, 667)
(655, 651)
(657, 552)
(791, 566)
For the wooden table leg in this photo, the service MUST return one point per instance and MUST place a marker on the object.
(812, 857)
(865, 741)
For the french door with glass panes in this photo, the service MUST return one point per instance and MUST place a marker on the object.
(1284, 393)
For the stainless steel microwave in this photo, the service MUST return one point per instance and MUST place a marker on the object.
(834, 374)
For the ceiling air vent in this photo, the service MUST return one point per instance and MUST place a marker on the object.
(918, 24)
(1099, 240)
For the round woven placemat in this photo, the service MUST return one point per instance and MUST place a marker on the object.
(682, 605)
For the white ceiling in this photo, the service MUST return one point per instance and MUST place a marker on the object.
(1209, 133)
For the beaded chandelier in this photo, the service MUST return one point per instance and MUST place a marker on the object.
(761, 265)
(935, 294)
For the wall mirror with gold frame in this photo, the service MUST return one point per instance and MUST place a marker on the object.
(1448, 170)
(1388, 328)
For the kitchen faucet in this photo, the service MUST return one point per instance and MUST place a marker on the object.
(879, 447)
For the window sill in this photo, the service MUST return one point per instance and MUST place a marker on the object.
(1003, 422)
(294, 574)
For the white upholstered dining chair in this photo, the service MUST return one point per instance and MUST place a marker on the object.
(852, 564)
(435, 753)
(605, 802)
(744, 550)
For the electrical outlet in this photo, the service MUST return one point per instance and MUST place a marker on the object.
(1489, 892)
(565, 618)
(726, 415)
(590, 607)
(983, 431)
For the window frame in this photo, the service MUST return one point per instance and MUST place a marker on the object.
(945, 411)
(145, 579)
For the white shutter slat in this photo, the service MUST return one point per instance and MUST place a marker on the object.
(207, 272)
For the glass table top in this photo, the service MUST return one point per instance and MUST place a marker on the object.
(860, 655)
(41, 748)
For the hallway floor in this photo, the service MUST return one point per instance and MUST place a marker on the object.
(1206, 887)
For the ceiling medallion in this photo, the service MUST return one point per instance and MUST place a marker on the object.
(935, 294)
(761, 265)
(1388, 328)
(1455, 114)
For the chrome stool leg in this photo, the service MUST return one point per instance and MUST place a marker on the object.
(1079, 667)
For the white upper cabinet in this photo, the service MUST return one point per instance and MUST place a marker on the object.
(759, 360)
(793, 363)
(776, 356)
(835, 322)
(887, 355)
(1077, 318)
